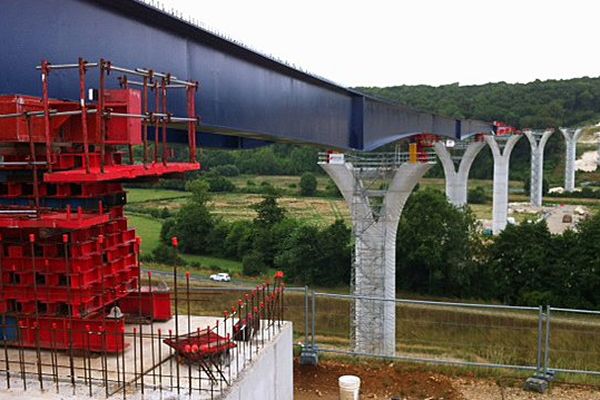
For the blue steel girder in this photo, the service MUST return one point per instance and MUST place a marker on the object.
(243, 97)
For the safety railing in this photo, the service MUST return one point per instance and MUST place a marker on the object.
(377, 159)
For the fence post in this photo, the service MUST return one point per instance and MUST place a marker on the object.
(539, 341)
(309, 355)
(314, 320)
(547, 344)
(305, 316)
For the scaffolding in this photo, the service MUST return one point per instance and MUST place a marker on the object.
(376, 197)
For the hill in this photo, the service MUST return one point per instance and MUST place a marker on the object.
(538, 104)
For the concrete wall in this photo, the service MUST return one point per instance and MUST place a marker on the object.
(270, 377)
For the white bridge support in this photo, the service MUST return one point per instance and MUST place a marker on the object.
(374, 230)
(501, 163)
(537, 142)
(457, 180)
(571, 137)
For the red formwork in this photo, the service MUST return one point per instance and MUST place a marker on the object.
(95, 334)
(67, 255)
(119, 130)
(149, 302)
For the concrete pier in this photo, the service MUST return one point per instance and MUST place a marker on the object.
(501, 156)
(375, 247)
(457, 180)
(571, 137)
(537, 142)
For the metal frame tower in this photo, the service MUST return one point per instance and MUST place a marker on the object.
(375, 187)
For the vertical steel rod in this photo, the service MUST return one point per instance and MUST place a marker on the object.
(83, 106)
(45, 104)
(164, 121)
(100, 118)
(145, 120)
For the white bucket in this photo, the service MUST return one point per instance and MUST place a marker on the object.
(349, 387)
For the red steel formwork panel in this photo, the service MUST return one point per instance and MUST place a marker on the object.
(67, 255)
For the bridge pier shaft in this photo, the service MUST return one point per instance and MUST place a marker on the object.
(537, 142)
(457, 180)
(571, 137)
(501, 163)
(374, 264)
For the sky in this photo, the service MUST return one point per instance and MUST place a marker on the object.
(433, 42)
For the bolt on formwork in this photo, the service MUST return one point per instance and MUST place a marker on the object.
(375, 187)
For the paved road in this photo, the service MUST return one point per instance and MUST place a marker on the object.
(554, 218)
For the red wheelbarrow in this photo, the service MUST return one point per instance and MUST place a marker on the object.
(205, 348)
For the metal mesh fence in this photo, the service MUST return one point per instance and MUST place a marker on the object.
(573, 340)
(441, 332)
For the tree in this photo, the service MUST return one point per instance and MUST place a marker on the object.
(218, 183)
(521, 259)
(435, 243)
(308, 184)
(334, 242)
(193, 223)
(200, 191)
(301, 256)
(166, 254)
(477, 196)
(227, 170)
(268, 211)
(238, 240)
(253, 265)
(583, 256)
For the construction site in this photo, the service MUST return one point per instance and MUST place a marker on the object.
(117, 258)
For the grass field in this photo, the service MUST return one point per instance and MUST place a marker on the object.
(149, 230)
(231, 266)
(320, 211)
(238, 206)
(151, 195)
(146, 228)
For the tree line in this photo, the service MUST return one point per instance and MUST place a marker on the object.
(440, 251)
(272, 240)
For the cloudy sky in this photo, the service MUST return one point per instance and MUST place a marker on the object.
(435, 42)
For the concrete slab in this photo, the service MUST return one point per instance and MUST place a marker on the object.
(164, 375)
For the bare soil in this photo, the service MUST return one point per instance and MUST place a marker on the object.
(391, 381)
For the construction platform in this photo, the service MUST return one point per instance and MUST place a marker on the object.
(261, 370)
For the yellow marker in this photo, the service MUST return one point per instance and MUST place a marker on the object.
(412, 153)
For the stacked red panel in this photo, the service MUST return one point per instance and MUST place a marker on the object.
(68, 259)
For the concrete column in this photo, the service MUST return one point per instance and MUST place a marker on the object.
(537, 142)
(571, 137)
(457, 180)
(501, 163)
(375, 250)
